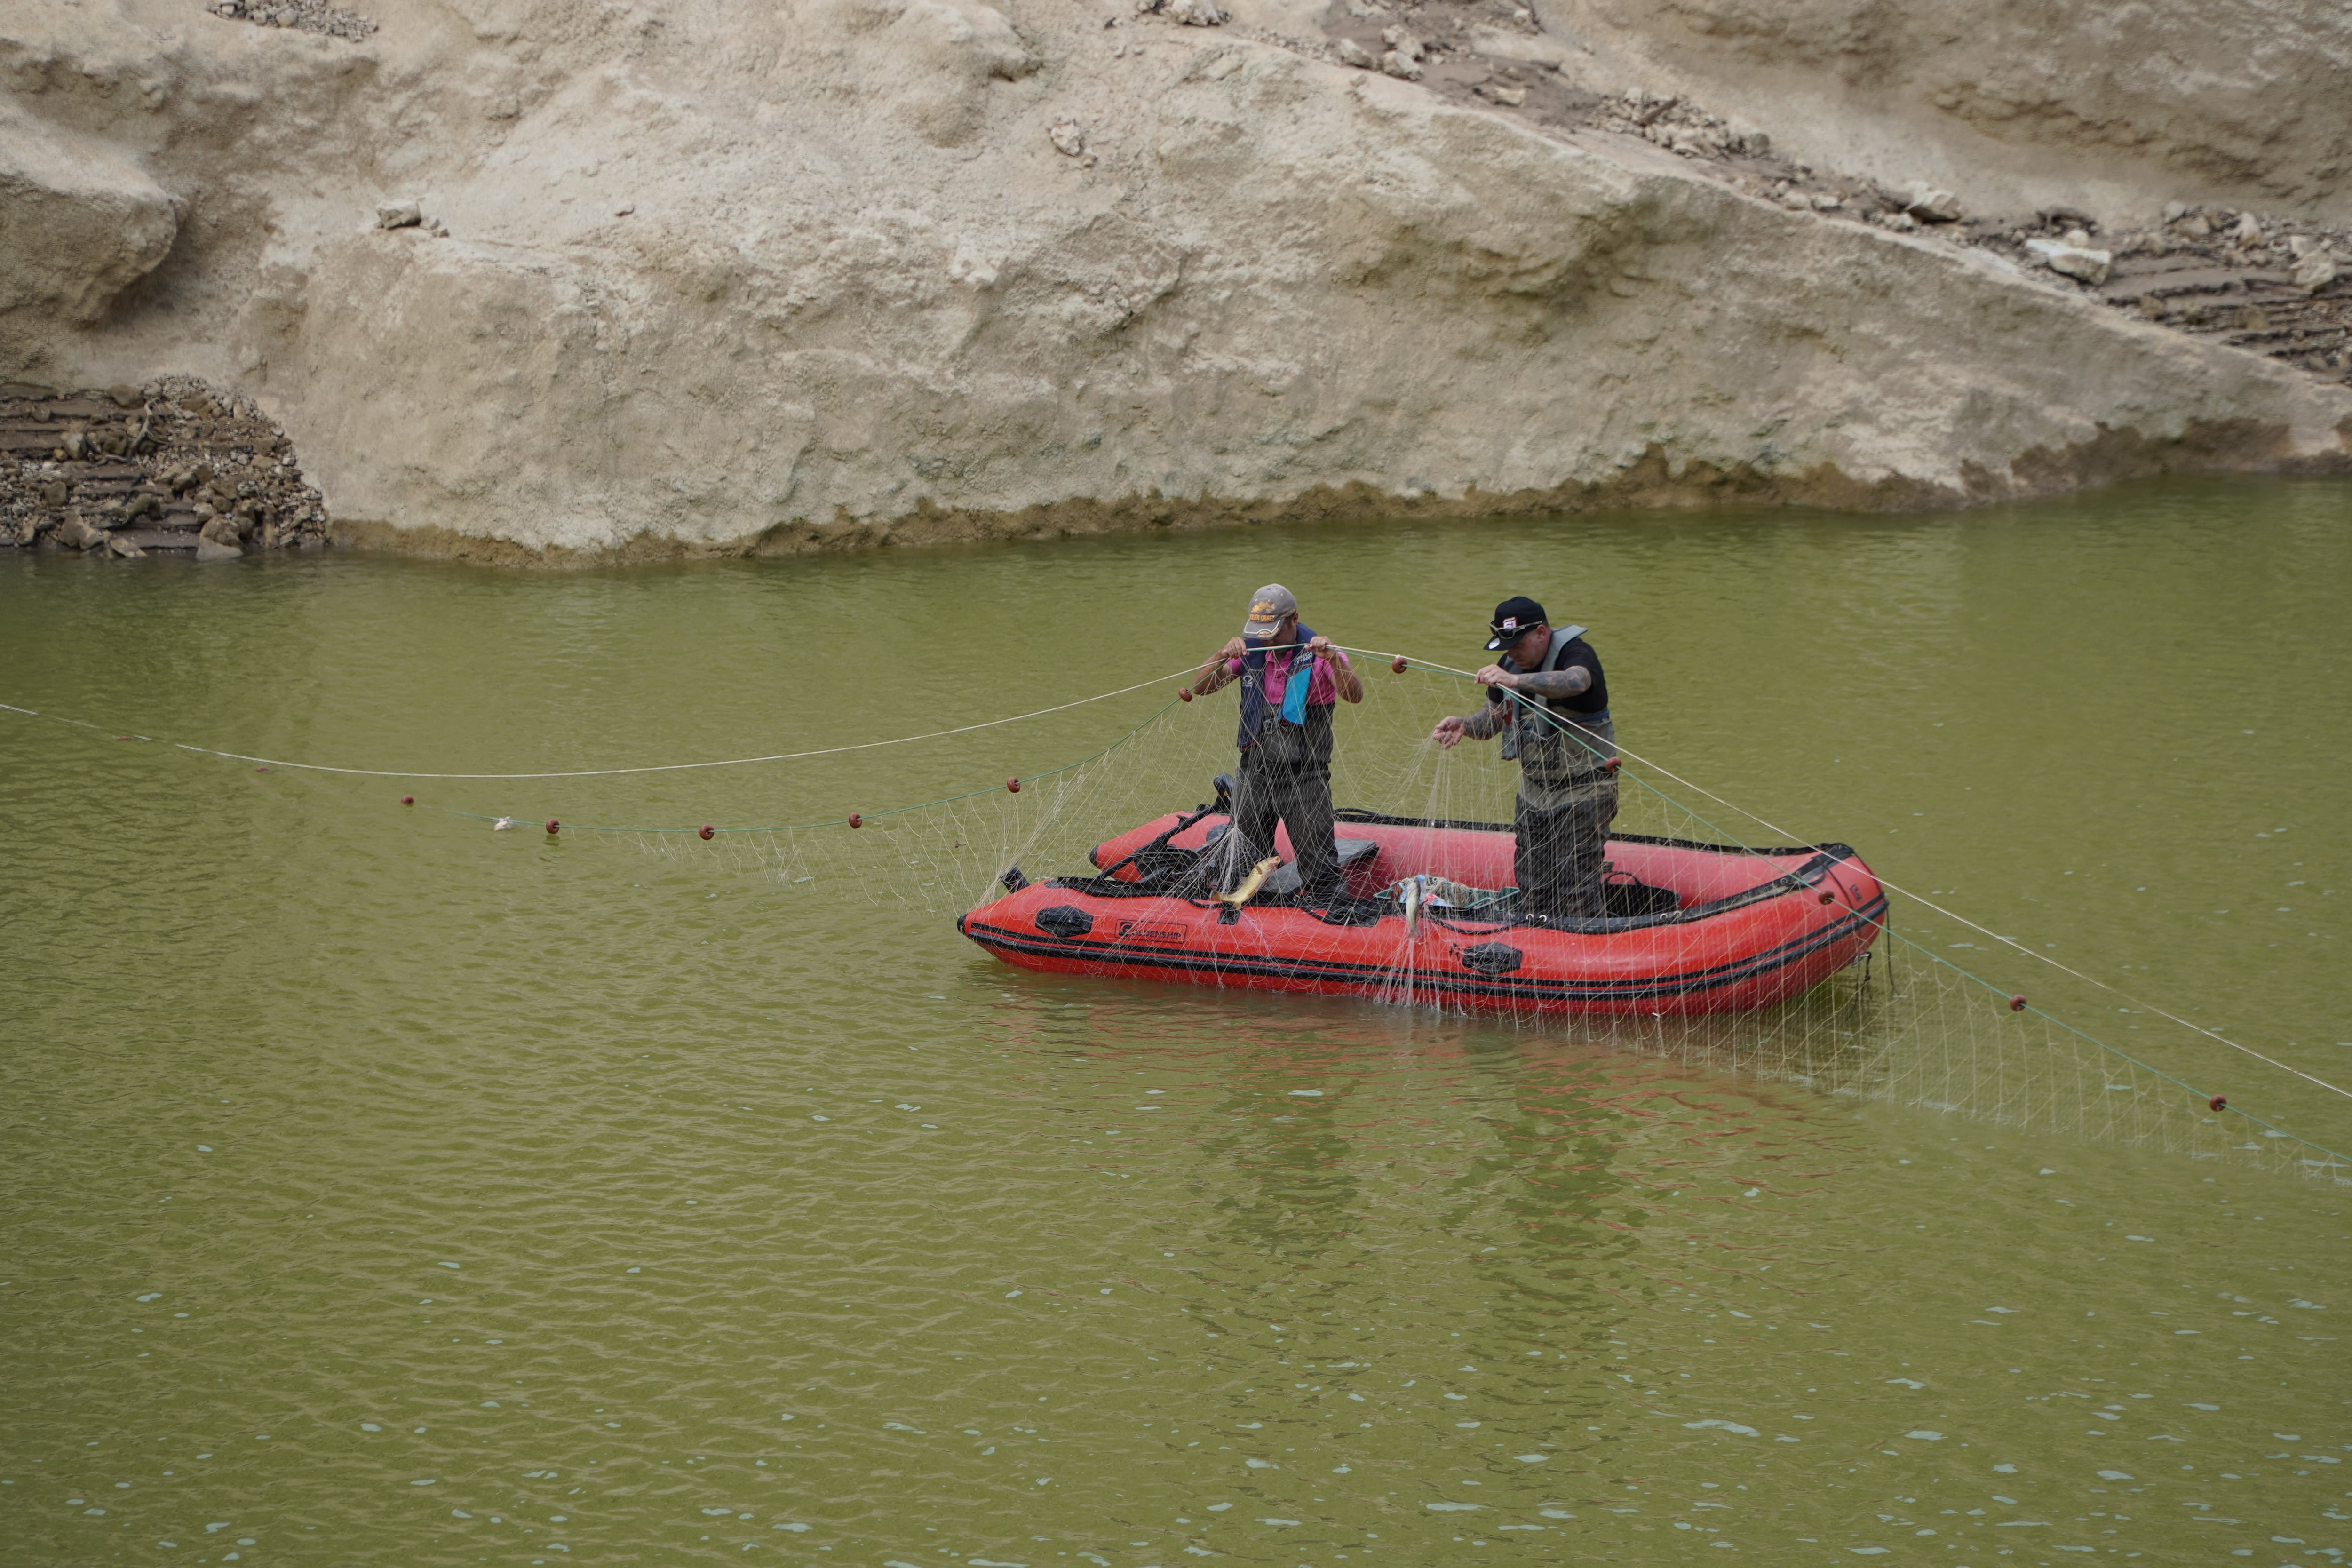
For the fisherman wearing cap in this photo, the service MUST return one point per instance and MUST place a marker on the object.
(1290, 679)
(1547, 699)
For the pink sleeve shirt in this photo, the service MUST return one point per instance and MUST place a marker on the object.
(1322, 688)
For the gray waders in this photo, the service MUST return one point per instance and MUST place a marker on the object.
(1567, 798)
(1285, 776)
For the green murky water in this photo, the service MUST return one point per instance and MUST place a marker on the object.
(384, 1189)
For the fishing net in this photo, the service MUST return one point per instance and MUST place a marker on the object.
(980, 807)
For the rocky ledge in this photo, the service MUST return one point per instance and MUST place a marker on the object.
(175, 465)
(309, 15)
(549, 283)
(2276, 284)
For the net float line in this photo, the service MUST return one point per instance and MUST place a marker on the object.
(1013, 785)
(2015, 1003)
(1403, 660)
(1399, 662)
(610, 772)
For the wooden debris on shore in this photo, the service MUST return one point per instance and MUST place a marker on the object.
(175, 465)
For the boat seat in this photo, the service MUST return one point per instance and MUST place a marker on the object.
(1353, 853)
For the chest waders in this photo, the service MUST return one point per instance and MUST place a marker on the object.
(1567, 798)
(1284, 776)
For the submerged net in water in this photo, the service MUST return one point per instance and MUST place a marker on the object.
(976, 814)
(1899, 1025)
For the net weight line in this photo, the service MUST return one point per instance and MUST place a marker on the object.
(1402, 663)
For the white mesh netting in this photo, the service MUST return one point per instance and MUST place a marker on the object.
(1899, 1025)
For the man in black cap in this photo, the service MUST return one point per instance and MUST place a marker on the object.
(1290, 679)
(1547, 698)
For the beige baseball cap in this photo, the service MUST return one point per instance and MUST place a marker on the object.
(1267, 607)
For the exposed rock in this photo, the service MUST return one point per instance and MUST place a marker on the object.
(1069, 138)
(1191, 13)
(2314, 272)
(2072, 260)
(1354, 54)
(309, 15)
(80, 223)
(2014, 103)
(190, 454)
(856, 303)
(1931, 206)
(219, 530)
(76, 534)
(399, 215)
(1398, 64)
(210, 549)
(123, 549)
(1404, 43)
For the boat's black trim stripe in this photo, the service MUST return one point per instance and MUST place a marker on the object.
(1133, 955)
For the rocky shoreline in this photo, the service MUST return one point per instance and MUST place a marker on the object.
(175, 465)
(720, 278)
(2272, 284)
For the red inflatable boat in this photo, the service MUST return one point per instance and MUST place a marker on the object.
(1693, 928)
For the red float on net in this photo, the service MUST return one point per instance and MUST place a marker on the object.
(553, 827)
(855, 820)
(2017, 1004)
(2219, 1102)
(1398, 664)
(1012, 784)
(408, 800)
(1184, 694)
(708, 830)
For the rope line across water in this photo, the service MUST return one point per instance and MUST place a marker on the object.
(863, 817)
(1402, 662)
(1962, 919)
(612, 772)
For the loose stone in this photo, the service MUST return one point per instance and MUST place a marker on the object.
(2072, 260)
(1191, 13)
(1930, 206)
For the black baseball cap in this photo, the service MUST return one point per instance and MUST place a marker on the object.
(1512, 618)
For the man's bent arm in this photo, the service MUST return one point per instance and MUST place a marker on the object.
(1570, 682)
(1488, 722)
(1219, 670)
